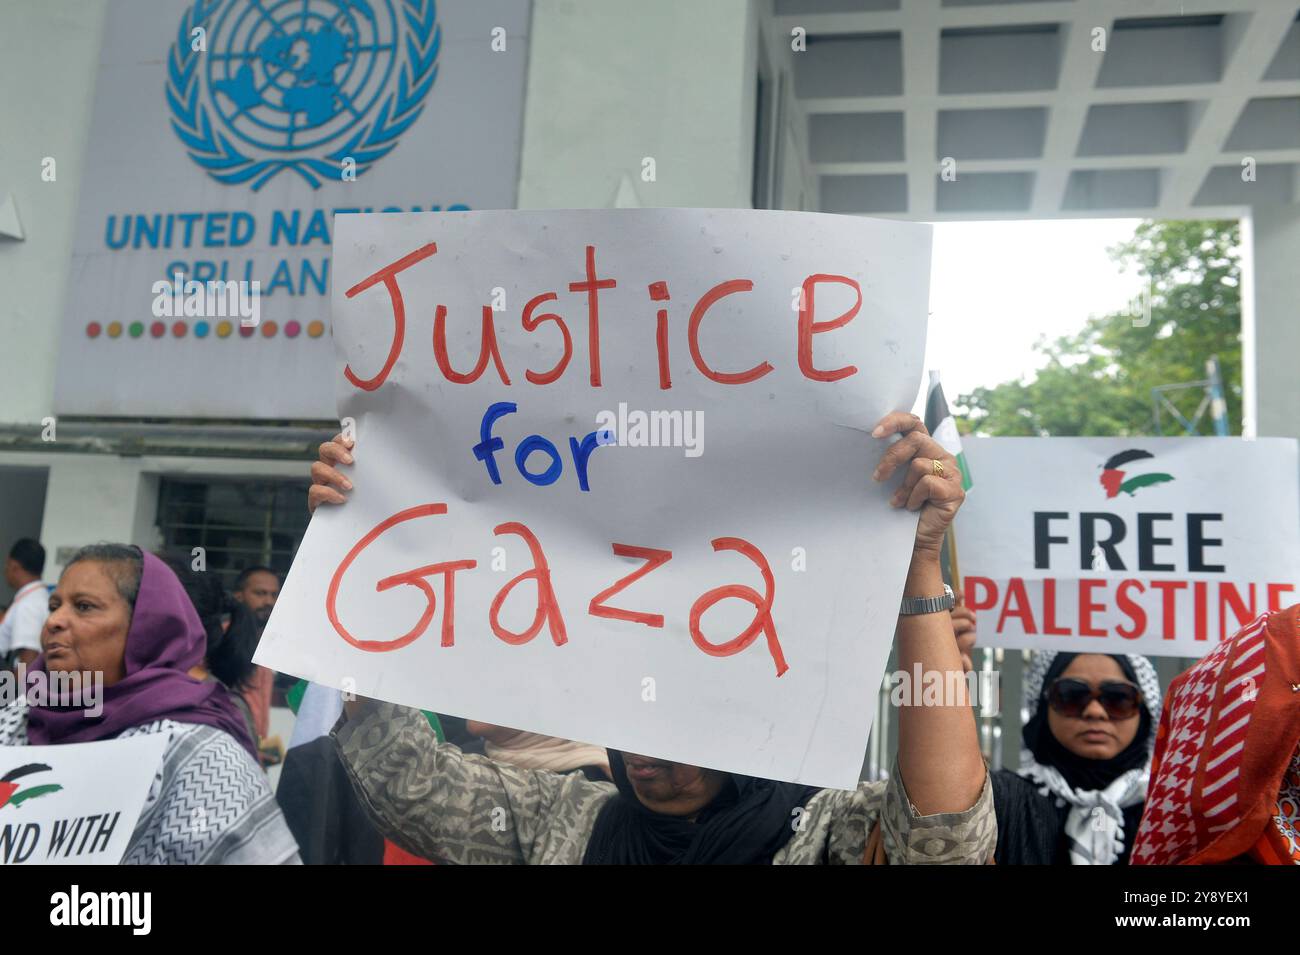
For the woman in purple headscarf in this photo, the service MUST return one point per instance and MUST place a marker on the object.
(123, 616)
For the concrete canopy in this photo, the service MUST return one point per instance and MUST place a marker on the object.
(1063, 108)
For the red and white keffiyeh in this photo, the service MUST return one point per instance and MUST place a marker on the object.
(1227, 739)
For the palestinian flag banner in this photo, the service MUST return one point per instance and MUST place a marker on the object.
(941, 424)
(72, 803)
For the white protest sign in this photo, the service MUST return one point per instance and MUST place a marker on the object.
(76, 803)
(613, 478)
(1158, 546)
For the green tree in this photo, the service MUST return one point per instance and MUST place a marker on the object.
(1099, 381)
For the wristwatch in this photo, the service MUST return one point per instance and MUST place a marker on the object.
(916, 605)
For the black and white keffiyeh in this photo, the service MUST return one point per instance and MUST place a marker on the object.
(209, 802)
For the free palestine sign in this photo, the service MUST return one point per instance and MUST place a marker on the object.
(1158, 546)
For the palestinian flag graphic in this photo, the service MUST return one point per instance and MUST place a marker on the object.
(943, 427)
(1113, 474)
(12, 795)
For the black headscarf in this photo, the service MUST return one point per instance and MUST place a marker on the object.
(746, 824)
(1081, 772)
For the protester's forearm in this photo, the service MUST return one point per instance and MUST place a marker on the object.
(938, 748)
(424, 795)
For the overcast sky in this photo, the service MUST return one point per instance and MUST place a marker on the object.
(996, 287)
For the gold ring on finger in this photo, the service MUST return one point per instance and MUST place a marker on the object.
(938, 468)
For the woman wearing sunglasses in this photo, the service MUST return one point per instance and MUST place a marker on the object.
(1078, 796)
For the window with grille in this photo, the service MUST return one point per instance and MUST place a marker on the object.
(238, 523)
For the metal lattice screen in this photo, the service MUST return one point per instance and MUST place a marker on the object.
(238, 523)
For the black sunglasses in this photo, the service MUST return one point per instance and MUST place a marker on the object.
(1070, 697)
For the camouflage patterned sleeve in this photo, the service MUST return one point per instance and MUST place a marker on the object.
(442, 804)
(835, 826)
(945, 838)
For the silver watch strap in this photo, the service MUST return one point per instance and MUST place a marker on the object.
(919, 605)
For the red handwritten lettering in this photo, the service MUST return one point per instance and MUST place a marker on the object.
(548, 608)
(414, 578)
(531, 323)
(659, 293)
(707, 301)
(808, 328)
(388, 275)
(487, 346)
(762, 607)
(592, 287)
(548, 611)
(653, 559)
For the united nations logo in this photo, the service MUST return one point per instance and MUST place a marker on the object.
(302, 85)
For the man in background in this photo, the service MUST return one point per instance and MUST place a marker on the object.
(20, 630)
(257, 588)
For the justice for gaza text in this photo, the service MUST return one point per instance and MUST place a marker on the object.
(548, 612)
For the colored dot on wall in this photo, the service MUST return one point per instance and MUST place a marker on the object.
(200, 329)
(269, 329)
(223, 329)
(245, 331)
(137, 329)
(92, 330)
(316, 329)
(157, 329)
(292, 329)
(179, 329)
(114, 329)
